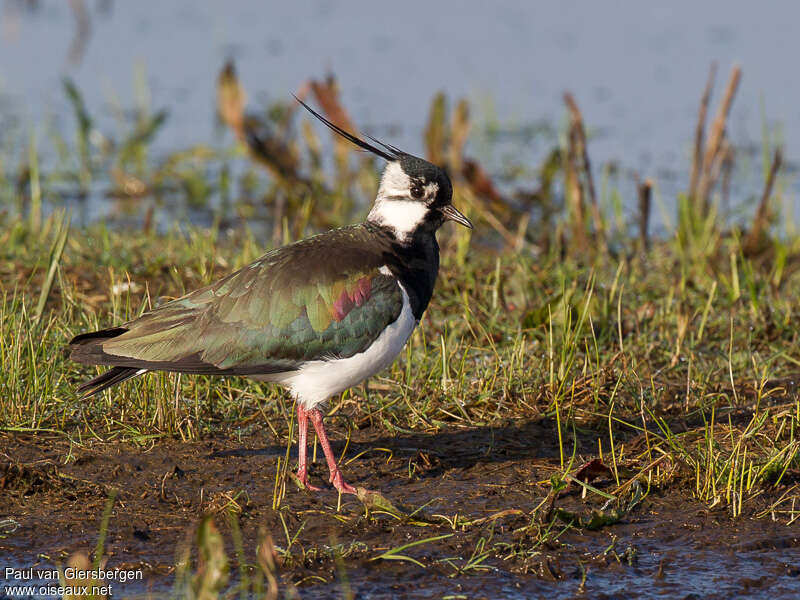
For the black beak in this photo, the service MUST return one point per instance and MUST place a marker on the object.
(451, 213)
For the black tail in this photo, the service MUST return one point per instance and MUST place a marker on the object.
(88, 349)
(106, 380)
(103, 334)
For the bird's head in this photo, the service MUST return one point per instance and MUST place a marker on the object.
(414, 195)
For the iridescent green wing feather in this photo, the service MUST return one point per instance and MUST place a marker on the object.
(321, 298)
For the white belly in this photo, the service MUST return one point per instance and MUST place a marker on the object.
(318, 380)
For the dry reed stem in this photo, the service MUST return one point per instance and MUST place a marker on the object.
(645, 192)
(327, 95)
(267, 559)
(711, 158)
(699, 134)
(483, 187)
(231, 99)
(752, 241)
(577, 123)
(263, 147)
(574, 193)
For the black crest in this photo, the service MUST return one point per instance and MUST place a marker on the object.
(389, 152)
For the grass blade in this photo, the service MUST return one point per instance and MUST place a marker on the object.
(56, 250)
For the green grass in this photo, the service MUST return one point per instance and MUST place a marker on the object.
(625, 347)
(678, 360)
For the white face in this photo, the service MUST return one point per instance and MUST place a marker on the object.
(395, 207)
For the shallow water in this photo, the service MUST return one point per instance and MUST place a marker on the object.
(636, 69)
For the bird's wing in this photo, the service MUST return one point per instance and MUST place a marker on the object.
(320, 298)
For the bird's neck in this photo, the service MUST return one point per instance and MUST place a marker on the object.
(413, 261)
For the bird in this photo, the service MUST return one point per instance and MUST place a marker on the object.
(316, 316)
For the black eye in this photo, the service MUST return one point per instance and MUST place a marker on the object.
(417, 191)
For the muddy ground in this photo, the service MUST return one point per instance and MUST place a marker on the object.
(667, 545)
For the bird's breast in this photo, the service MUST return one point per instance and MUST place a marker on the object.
(317, 380)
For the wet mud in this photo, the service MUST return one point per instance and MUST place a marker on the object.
(511, 538)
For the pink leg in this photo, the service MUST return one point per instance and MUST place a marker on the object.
(302, 465)
(336, 475)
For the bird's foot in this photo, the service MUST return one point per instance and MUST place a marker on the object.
(340, 484)
(302, 479)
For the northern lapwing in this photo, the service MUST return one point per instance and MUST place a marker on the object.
(317, 316)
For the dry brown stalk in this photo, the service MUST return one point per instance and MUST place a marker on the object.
(712, 157)
(444, 143)
(271, 151)
(483, 187)
(231, 99)
(147, 223)
(263, 146)
(586, 167)
(574, 193)
(645, 191)
(327, 94)
(699, 135)
(753, 241)
(267, 559)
